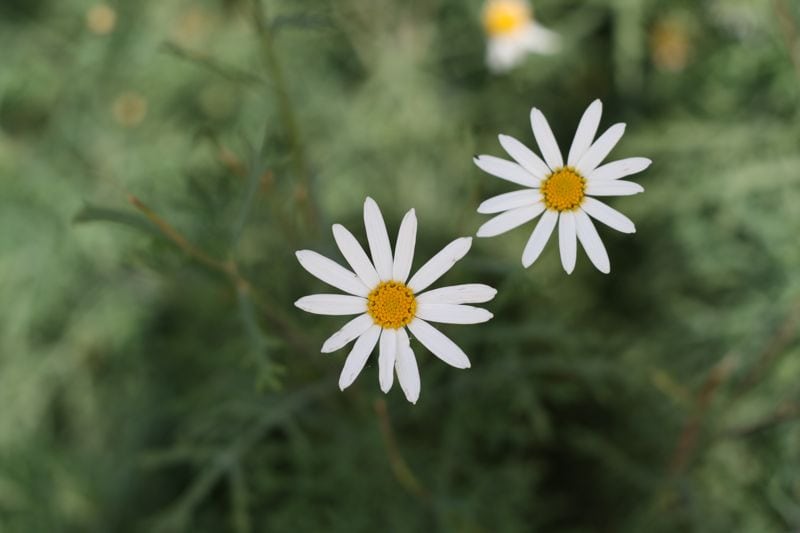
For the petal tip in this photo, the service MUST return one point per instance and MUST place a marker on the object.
(346, 381)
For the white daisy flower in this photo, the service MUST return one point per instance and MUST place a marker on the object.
(387, 302)
(513, 34)
(563, 192)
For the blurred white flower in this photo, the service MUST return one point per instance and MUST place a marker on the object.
(563, 192)
(386, 303)
(513, 34)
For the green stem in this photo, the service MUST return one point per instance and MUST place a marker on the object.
(288, 118)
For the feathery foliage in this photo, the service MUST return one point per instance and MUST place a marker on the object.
(162, 161)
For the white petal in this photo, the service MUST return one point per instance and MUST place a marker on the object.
(539, 237)
(524, 156)
(567, 240)
(600, 149)
(439, 345)
(540, 40)
(608, 215)
(546, 140)
(472, 293)
(386, 358)
(507, 170)
(453, 314)
(584, 135)
(358, 356)
(613, 188)
(378, 239)
(404, 248)
(620, 169)
(439, 264)
(591, 242)
(332, 304)
(510, 220)
(348, 333)
(503, 54)
(331, 272)
(510, 200)
(355, 256)
(406, 367)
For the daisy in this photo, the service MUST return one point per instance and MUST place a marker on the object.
(563, 192)
(513, 34)
(387, 301)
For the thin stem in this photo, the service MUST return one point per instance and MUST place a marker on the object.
(291, 129)
(785, 413)
(179, 240)
(784, 335)
(230, 269)
(690, 435)
(789, 30)
(240, 500)
(232, 455)
(206, 61)
(404, 475)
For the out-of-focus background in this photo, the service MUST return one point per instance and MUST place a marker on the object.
(161, 161)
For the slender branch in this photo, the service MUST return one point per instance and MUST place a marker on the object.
(689, 437)
(785, 333)
(230, 457)
(228, 157)
(179, 240)
(291, 129)
(785, 413)
(789, 31)
(230, 269)
(206, 61)
(404, 475)
(240, 500)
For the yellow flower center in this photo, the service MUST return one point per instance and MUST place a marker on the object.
(501, 17)
(391, 305)
(563, 190)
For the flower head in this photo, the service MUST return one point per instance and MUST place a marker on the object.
(387, 302)
(562, 192)
(513, 33)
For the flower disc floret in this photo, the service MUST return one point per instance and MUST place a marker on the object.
(563, 190)
(392, 305)
(502, 17)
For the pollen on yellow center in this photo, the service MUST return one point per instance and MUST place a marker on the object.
(391, 305)
(501, 17)
(563, 190)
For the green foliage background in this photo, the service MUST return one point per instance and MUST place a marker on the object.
(146, 386)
